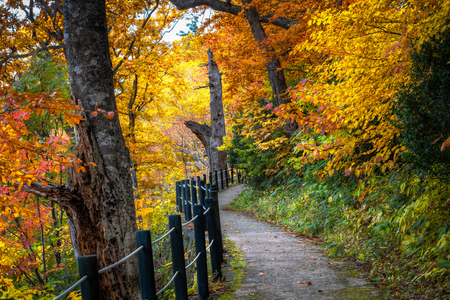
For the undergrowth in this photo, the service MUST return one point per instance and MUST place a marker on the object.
(397, 225)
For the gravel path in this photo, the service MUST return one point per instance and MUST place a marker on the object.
(285, 267)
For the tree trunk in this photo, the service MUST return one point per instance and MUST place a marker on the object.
(203, 133)
(273, 66)
(101, 206)
(218, 159)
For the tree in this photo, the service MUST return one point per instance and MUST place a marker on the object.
(273, 66)
(98, 197)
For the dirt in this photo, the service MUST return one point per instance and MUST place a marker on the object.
(283, 266)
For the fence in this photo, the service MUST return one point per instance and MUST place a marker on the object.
(203, 212)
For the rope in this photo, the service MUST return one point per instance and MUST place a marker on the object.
(167, 285)
(206, 211)
(190, 221)
(210, 244)
(166, 234)
(122, 260)
(67, 292)
(198, 255)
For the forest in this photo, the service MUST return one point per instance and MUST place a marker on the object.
(337, 113)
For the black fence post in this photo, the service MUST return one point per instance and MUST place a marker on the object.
(216, 178)
(178, 195)
(188, 201)
(221, 180)
(201, 192)
(90, 288)
(216, 265)
(210, 178)
(239, 177)
(208, 188)
(146, 266)
(226, 177)
(202, 266)
(232, 176)
(194, 191)
(215, 196)
(204, 177)
(183, 189)
(178, 264)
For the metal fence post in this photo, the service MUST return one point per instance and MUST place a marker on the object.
(214, 195)
(178, 264)
(194, 191)
(204, 177)
(232, 176)
(210, 178)
(146, 266)
(90, 288)
(221, 180)
(214, 250)
(202, 267)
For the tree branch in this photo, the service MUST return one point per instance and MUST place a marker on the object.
(52, 191)
(226, 6)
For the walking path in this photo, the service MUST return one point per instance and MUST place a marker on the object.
(285, 267)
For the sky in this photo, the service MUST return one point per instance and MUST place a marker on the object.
(172, 35)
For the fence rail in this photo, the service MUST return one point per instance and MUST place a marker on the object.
(193, 197)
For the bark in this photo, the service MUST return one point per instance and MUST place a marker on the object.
(227, 7)
(202, 132)
(218, 159)
(99, 201)
(273, 66)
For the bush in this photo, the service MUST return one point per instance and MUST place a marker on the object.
(423, 107)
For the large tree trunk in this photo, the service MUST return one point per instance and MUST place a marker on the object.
(218, 159)
(101, 209)
(273, 66)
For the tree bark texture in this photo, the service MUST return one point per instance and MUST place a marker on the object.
(100, 204)
(218, 159)
(202, 132)
(273, 66)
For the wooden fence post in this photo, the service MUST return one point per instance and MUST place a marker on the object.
(90, 288)
(226, 177)
(202, 266)
(194, 191)
(184, 189)
(178, 264)
(214, 195)
(188, 201)
(146, 266)
(216, 264)
(216, 178)
(178, 195)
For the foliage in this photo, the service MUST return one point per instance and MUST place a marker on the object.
(422, 107)
(393, 223)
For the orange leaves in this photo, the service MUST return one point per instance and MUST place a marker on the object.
(445, 144)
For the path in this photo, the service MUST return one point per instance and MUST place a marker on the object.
(287, 262)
